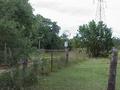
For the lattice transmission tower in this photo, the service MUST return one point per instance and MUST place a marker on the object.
(100, 11)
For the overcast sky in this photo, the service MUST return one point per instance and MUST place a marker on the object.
(70, 14)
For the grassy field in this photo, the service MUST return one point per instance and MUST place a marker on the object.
(82, 73)
(91, 74)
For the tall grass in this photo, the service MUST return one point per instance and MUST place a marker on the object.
(18, 79)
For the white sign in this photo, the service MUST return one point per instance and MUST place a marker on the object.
(66, 44)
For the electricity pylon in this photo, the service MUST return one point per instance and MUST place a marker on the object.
(100, 11)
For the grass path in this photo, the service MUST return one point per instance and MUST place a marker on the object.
(87, 75)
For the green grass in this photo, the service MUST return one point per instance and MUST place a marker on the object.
(81, 74)
(91, 74)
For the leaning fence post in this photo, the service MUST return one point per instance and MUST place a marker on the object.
(112, 72)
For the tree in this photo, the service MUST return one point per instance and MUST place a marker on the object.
(47, 32)
(15, 30)
(116, 42)
(96, 38)
(75, 41)
(20, 31)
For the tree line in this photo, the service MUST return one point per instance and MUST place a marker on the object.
(96, 38)
(21, 32)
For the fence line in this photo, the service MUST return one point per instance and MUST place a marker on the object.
(58, 57)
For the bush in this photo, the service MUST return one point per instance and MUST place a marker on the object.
(16, 79)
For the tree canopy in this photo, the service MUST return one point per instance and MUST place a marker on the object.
(21, 30)
(96, 38)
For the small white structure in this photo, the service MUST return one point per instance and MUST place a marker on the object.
(66, 44)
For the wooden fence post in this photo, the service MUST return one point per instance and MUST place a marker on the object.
(66, 55)
(112, 72)
(51, 61)
(5, 53)
(42, 66)
(25, 63)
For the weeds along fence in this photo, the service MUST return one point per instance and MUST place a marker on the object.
(25, 75)
(51, 60)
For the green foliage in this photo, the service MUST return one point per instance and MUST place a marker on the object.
(16, 79)
(47, 32)
(75, 41)
(116, 42)
(16, 30)
(20, 31)
(96, 38)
